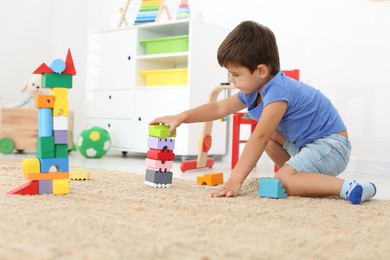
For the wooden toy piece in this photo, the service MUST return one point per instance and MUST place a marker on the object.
(45, 122)
(60, 123)
(32, 165)
(61, 186)
(158, 165)
(79, 175)
(160, 131)
(45, 186)
(123, 12)
(61, 136)
(46, 176)
(61, 164)
(44, 101)
(45, 147)
(271, 188)
(210, 179)
(161, 143)
(28, 188)
(6, 145)
(61, 150)
(158, 179)
(43, 69)
(61, 101)
(162, 155)
(202, 161)
(56, 80)
(57, 65)
(163, 7)
(69, 65)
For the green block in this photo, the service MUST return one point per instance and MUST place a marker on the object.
(44, 154)
(160, 131)
(45, 147)
(56, 80)
(61, 151)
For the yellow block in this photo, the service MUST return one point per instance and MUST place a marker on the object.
(61, 186)
(31, 166)
(61, 107)
(79, 175)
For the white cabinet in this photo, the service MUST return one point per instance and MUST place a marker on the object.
(120, 100)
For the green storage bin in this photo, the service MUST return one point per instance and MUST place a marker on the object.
(166, 45)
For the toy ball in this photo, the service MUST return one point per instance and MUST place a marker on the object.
(94, 142)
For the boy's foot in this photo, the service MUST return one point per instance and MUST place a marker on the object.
(357, 192)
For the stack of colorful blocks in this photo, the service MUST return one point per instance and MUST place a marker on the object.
(184, 10)
(148, 11)
(49, 171)
(159, 157)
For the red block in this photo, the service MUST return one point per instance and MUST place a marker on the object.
(29, 188)
(162, 155)
(43, 69)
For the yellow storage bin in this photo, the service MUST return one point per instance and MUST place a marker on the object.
(168, 77)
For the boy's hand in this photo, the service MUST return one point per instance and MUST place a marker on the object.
(230, 189)
(172, 121)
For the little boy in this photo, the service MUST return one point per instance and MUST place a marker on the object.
(298, 127)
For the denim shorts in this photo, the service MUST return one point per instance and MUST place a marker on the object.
(329, 155)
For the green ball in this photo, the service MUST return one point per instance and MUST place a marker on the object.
(94, 142)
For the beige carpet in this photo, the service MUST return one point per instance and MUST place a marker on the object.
(115, 216)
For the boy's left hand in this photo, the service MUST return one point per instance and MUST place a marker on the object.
(228, 190)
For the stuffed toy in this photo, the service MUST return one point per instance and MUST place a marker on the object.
(32, 88)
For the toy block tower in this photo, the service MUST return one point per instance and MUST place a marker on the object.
(271, 188)
(184, 10)
(49, 171)
(159, 157)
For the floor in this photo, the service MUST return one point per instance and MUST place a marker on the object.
(134, 163)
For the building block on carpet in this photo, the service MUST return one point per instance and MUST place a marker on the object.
(210, 179)
(32, 165)
(61, 186)
(158, 165)
(271, 188)
(28, 188)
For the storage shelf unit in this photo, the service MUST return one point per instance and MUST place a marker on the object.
(119, 100)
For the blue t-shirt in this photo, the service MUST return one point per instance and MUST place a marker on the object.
(309, 115)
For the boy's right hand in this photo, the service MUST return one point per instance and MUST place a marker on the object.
(172, 121)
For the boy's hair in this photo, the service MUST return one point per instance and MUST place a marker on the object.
(249, 45)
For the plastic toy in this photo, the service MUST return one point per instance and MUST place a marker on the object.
(79, 175)
(210, 179)
(206, 140)
(159, 157)
(271, 188)
(94, 142)
(49, 149)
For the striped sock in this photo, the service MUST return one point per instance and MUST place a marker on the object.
(357, 192)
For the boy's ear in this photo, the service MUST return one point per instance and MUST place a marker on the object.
(262, 70)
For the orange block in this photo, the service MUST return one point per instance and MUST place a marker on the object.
(46, 176)
(44, 101)
(210, 179)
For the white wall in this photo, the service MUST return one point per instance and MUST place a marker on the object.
(341, 47)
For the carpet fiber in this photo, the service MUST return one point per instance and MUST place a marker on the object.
(115, 216)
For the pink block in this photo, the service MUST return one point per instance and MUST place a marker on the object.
(158, 165)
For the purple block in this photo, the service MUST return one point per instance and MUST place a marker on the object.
(161, 143)
(60, 136)
(45, 186)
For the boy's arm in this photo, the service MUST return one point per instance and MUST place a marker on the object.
(269, 120)
(204, 113)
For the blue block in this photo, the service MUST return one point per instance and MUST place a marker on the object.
(61, 164)
(45, 122)
(271, 188)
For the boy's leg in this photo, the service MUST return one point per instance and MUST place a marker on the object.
(275, 149)
(308, 184)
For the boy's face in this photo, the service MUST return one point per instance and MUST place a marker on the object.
(244, 80)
